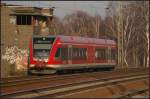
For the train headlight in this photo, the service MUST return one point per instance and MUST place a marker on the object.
(46, 60)
(35, 59)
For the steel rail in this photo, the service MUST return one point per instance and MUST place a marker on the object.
(27, 78)
(38, 79)
(101, 85)
(72, 87)
(57, 87)
(17, 79)
(131, 93)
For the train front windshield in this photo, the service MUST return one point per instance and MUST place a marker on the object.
(42, 47)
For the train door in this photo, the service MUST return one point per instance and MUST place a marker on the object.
(70, 54)
(90, 54)
(95, 54)
(87, 54)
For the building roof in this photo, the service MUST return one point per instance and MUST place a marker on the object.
(9, 5)
(22, 10)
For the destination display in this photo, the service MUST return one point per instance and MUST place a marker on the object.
(43, 40)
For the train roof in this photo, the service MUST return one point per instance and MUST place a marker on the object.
(81, 40)
(85, 40)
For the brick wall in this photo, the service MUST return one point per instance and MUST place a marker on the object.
(10, 37)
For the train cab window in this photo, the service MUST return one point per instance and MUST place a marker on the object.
(42, 46)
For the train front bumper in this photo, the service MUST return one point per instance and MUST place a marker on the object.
(41, 69)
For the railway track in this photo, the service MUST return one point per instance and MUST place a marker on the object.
(65, 88)
(98, 89)
(11, 80)
(25, 82)
(59, 85)
(33, 79)
(133, 94)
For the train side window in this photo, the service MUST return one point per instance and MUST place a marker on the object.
(70, 54)
(78, 53)
(100, 54)
(104, 53)
(108, 54)
(84, 53)
(64, 53)
(81, 53)
(74, 53)
(58, 54)
(113, 54)
(97, 53)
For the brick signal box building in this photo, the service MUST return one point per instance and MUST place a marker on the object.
(19, 23)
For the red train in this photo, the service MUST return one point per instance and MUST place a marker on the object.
(50, 54)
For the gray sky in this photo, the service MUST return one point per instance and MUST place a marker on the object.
(68, 7)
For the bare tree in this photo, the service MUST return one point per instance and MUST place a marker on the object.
(131, 22)
(80, 23)
(144, 7)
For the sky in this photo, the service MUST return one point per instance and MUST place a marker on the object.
(63, 8)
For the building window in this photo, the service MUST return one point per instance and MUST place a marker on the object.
(24, 20)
